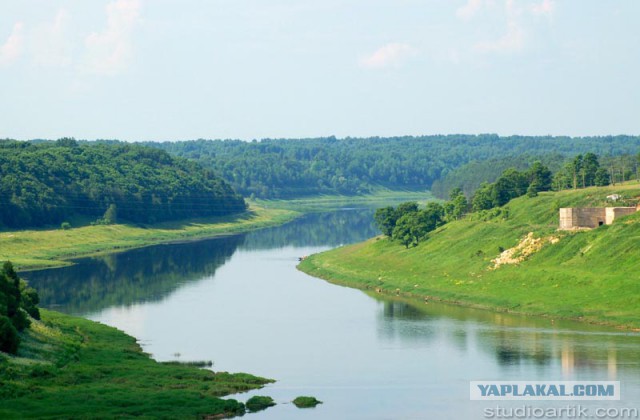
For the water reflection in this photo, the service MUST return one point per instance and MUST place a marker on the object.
(514, 342)
(327, 229)
(152, 273)
(141, 275)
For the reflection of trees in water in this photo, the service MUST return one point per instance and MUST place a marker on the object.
(318, 229)
(512, 340)
(146, 274)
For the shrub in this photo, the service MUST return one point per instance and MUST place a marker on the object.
(258, 402)
(65, 226)
(306, 402)
(9, 339)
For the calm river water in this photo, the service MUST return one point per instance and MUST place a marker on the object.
(240, 302)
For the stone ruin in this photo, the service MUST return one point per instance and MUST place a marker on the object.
(591, 217)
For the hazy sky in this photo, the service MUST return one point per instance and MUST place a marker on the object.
(170, 70)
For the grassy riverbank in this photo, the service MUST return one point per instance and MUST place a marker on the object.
(379, 198)
(70, 367)
(587, 275)
(34, 249)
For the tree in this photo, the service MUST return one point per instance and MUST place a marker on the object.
(404, 231)
(541, 175)
(111, 215)
(456, 207)
(532, 191)
(576, 170)
(482, 199)
(511, 184)
(9, 338)
(406, 208)
(590, 166)
(601, 178)
(386, 220)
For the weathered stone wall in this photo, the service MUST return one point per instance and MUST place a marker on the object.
(613, 213)
(567, 220)
(572, 218)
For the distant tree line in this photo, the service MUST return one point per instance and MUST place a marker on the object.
(279, 168)
(49, 182)
(18, 302)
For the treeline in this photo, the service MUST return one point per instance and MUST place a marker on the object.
(409, 225)
(472, 175)
(18, 302)
(279, 168)
(50, 182)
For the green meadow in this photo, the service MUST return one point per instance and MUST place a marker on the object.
(377, 198)
(34, 249)
(590, 275)
(72, 368)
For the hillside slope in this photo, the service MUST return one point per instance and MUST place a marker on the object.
(591, 275)
(50, 182)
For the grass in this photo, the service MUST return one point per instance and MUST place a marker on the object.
(380, 197)
(73, 368)
(35, 249)
(587, 275)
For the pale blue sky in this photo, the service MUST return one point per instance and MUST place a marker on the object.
(171, 70)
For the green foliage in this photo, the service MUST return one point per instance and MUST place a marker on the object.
(306, 402)
(74, 368)
(9, 339)
(407, 223)
(279, 168)
(16, 301)
(47, 183)
(111, 215)
(65, 226)
(258, 403)
(385, 218)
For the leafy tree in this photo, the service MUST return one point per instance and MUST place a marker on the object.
(386, 220)
(601, 178)
(404, 231)
(540, 175)
(483, 198)
(590, 166)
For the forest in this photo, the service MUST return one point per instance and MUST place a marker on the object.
(281, 168)
(45, 183)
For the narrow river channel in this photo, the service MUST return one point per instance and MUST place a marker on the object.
(240, 302)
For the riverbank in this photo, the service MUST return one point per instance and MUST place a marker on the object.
(69, 367)
(37, 249)
(379, 198)
(585, 275)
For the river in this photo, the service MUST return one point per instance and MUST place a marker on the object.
(240, 302)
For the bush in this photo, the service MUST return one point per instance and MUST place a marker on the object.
(306, 402)
(257, 403)
(9, 339)
(65, 226)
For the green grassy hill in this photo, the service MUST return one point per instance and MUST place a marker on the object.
(592, 275)
(70, 368)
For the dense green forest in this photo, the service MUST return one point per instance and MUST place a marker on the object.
(18, 302)
(43, 183)
(279, 168)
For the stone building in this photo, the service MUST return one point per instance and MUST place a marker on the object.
(591, 217)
